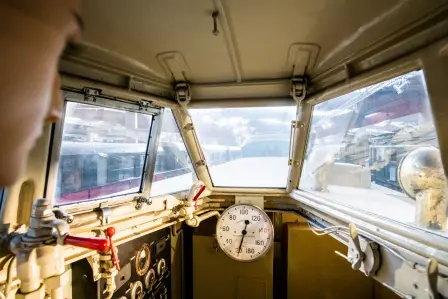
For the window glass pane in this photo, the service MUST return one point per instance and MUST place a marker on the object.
(173, 170)
(103, 152)
(245, 147)
(357, 142)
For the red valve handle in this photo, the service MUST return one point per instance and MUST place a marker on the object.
(197, 196)
(110, 231)
(99, 244)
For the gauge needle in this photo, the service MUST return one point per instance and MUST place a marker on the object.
(244, 232)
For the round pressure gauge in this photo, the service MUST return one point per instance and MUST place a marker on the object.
(142, 260)
(244, 232)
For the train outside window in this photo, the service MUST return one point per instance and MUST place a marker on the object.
(102, 153)
(357, 142)
(173, 169)
(245, 147)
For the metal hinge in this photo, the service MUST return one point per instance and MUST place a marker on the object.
(294, 125)
(200, 163)
(145, 106)
(298, 88)
(183, 93)
(188, 127)
(141, 200)
(90, 94)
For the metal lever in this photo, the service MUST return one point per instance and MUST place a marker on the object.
(363, 254)
(432, 272)
(358, 256)
(98, 244)
(63, 215)
(110, 231)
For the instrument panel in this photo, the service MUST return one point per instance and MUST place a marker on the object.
(144, 274)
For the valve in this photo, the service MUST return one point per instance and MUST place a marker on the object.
(194, 193)
(110, 231)
(39, 259)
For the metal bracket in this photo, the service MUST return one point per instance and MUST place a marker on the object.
(188, 127)
(297, 124)
(145, 106)
(105, 216)
(200, 163)
(141, 200)
(183, 93)
(294, 125)
(298, 88)
(90, 94)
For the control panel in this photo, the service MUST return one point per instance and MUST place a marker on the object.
(144, 273)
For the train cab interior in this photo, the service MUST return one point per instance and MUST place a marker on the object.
(240, 149)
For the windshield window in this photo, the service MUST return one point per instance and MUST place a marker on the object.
(245, 147)
(103, 152)
(173, 170)
(357, 142)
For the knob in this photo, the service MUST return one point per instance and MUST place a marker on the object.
(137, 290)
(150, 278)
(161, 267)
(110, 232)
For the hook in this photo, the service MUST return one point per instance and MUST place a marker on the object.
(215, 22)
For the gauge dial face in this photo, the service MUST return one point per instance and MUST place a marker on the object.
(244, 232)
(142, 260)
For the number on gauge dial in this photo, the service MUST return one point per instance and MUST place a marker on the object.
(244, 232)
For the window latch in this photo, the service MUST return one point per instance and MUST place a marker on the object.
(183, 93)
(298, 90)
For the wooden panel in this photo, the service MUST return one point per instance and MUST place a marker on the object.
(315, 271)
(217, 276)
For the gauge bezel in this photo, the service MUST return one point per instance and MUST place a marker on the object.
(137, 284)
(145, 247)
(271, 234)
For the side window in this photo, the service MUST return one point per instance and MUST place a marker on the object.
(357, 146)
(173, 170)
(103, 152)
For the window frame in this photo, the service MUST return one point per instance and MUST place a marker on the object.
(306, 199)
(56, 142)
(156, 141)
(235, 189)
(386, 73)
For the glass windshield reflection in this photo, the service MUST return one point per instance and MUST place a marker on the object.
(103, 152)
(358, 141)
(245, 147)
